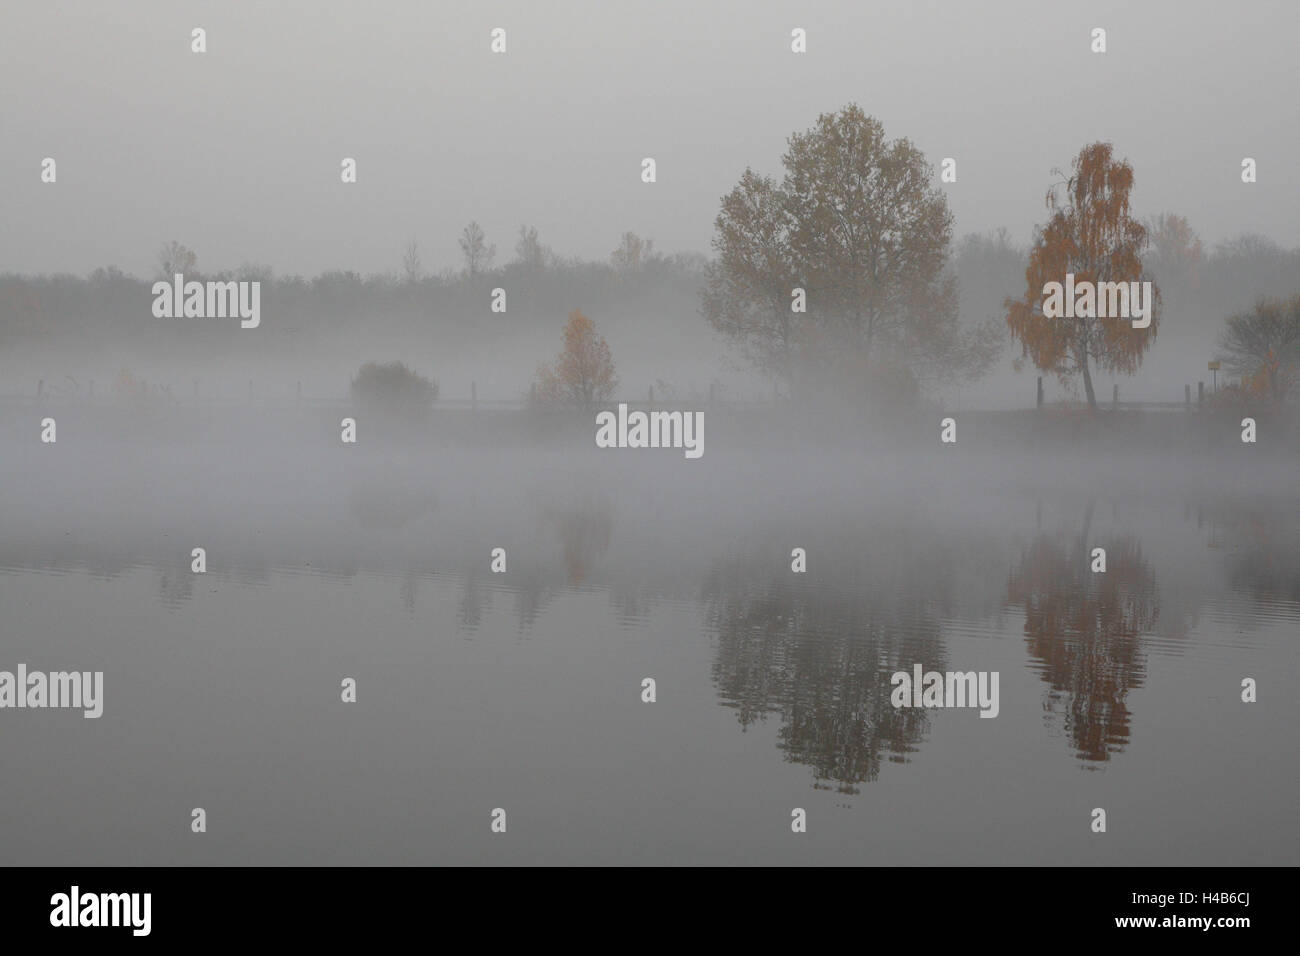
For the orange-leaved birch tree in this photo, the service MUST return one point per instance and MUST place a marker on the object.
(1091, 234)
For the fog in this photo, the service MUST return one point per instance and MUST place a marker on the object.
(236, 152)
(945, 518)
(520, 689)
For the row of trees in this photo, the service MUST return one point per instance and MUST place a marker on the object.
(841, 269)
(839, 277)
(453, 311)
(1262, 348)
(840, 274)
(478, 255)
(631, 255)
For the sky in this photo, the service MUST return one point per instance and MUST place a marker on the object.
(236, 152)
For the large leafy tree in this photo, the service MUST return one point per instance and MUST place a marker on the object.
(1092, 234)
(859, 223)
(747, 293)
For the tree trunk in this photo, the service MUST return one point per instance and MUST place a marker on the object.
(1087, 387)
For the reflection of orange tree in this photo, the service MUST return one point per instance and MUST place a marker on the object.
(584, 533)
(127, 387)
(1085, 629)
(584, 526)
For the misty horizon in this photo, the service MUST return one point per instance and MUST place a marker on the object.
(232, 143)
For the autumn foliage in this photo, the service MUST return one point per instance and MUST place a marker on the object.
(1262, 347)
(1090, 233)
(583, 373)
(1084, 632)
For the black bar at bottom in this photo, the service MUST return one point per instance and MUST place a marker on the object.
(375, 904)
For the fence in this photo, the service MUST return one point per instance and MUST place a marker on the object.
(166, 393)
(1185, 405)
(291, 394)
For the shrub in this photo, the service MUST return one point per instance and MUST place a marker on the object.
(393, 388)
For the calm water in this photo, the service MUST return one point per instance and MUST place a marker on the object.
(523, 690)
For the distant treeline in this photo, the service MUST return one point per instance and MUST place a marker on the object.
(454, 309)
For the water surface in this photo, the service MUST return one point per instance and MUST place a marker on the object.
(522, 690)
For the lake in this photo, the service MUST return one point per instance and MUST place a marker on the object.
(523, 690)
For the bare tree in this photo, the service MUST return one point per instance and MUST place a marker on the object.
(529, 250)
(412, 269)
(175, 259)
(632, 253)
(474, 247)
